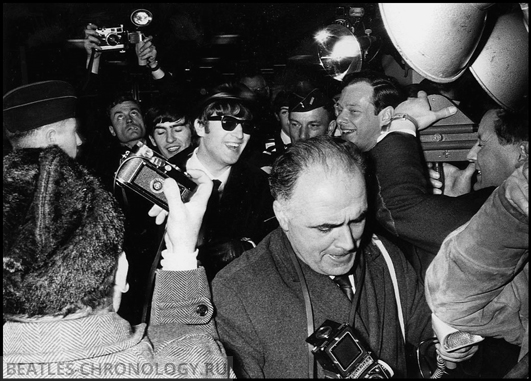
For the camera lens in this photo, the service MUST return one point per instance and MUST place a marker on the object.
(113, 39)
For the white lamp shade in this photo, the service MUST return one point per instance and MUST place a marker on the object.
(502, 66)
(437, 40)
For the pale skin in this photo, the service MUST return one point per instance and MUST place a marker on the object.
(356, 116)
(324, 221)
(305, 125)
(172, 137)
(127, 124)
(145, 50)
(219, 149)
(491, 160)
(325, 218)
(63, 133)
(182, 229)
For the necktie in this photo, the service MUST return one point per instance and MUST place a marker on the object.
(343, 282)
(210, 217)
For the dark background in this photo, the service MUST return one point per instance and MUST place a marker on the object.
(187, 36)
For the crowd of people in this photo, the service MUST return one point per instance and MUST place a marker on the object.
(311, 210)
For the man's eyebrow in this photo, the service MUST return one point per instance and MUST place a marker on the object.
(361, 217)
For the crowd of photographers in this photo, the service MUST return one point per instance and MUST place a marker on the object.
(286, 189)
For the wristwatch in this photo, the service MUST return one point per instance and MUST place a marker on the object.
(405, 117)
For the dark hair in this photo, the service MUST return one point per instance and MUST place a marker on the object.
(228, 99)
(512, 127)
(330, 152)
(386, 90)
(121, 98)
(166, 112)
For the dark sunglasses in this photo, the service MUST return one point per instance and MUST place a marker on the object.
(229, 123)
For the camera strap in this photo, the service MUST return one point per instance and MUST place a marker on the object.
(308, 302)
(307, 305)
(392, 272)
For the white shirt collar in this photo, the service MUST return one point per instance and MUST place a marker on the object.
(194, 163)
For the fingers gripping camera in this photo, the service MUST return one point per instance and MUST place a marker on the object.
(341, 354)
(143, 171)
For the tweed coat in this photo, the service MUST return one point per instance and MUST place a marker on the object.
(261, 315)
(181, 341)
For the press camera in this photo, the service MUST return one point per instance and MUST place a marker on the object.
(117, 38)
(143, 171)
(342, 355)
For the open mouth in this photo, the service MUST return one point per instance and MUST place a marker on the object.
(233, 146)
(346, 131)
(173, 149)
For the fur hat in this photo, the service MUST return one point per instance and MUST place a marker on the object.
(63, 234)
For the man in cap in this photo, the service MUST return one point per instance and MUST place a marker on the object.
(311, 113)
(42, 114)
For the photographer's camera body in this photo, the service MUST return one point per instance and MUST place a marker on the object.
(144, 171)
(112, 38)
(342, 355)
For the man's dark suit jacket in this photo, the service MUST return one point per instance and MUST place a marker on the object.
(406, 207)
(261, 313)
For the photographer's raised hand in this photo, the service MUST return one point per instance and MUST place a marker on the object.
(92, 43)
(184, 222)
(419, 109)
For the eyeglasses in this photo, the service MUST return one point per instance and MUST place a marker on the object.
(229, 123)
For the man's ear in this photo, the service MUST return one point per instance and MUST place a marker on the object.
(332, 127)
(523, 153)
(385, 115)
(152, 140)
(51, 136)
(199, 128)
(111, 130)
(279, 207)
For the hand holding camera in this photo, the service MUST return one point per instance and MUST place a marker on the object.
(146, 51)
(118, 38)
(184, 219)
(143, 171)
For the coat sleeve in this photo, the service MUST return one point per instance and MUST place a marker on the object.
(406, 206)
(182, 327)
(479, 280)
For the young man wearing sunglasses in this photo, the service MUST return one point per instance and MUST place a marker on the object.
(240, 211)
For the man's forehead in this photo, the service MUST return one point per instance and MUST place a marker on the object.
(127, 105)
(357, 93)
(315, 113)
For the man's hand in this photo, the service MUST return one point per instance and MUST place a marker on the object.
(419, 109)
(184, 219)
(456, 181)
(92, 41)
(456, 356)
(146, 51)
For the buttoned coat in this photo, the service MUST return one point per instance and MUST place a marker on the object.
(261, 315)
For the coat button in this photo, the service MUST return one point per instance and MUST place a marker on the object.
(201, 310)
